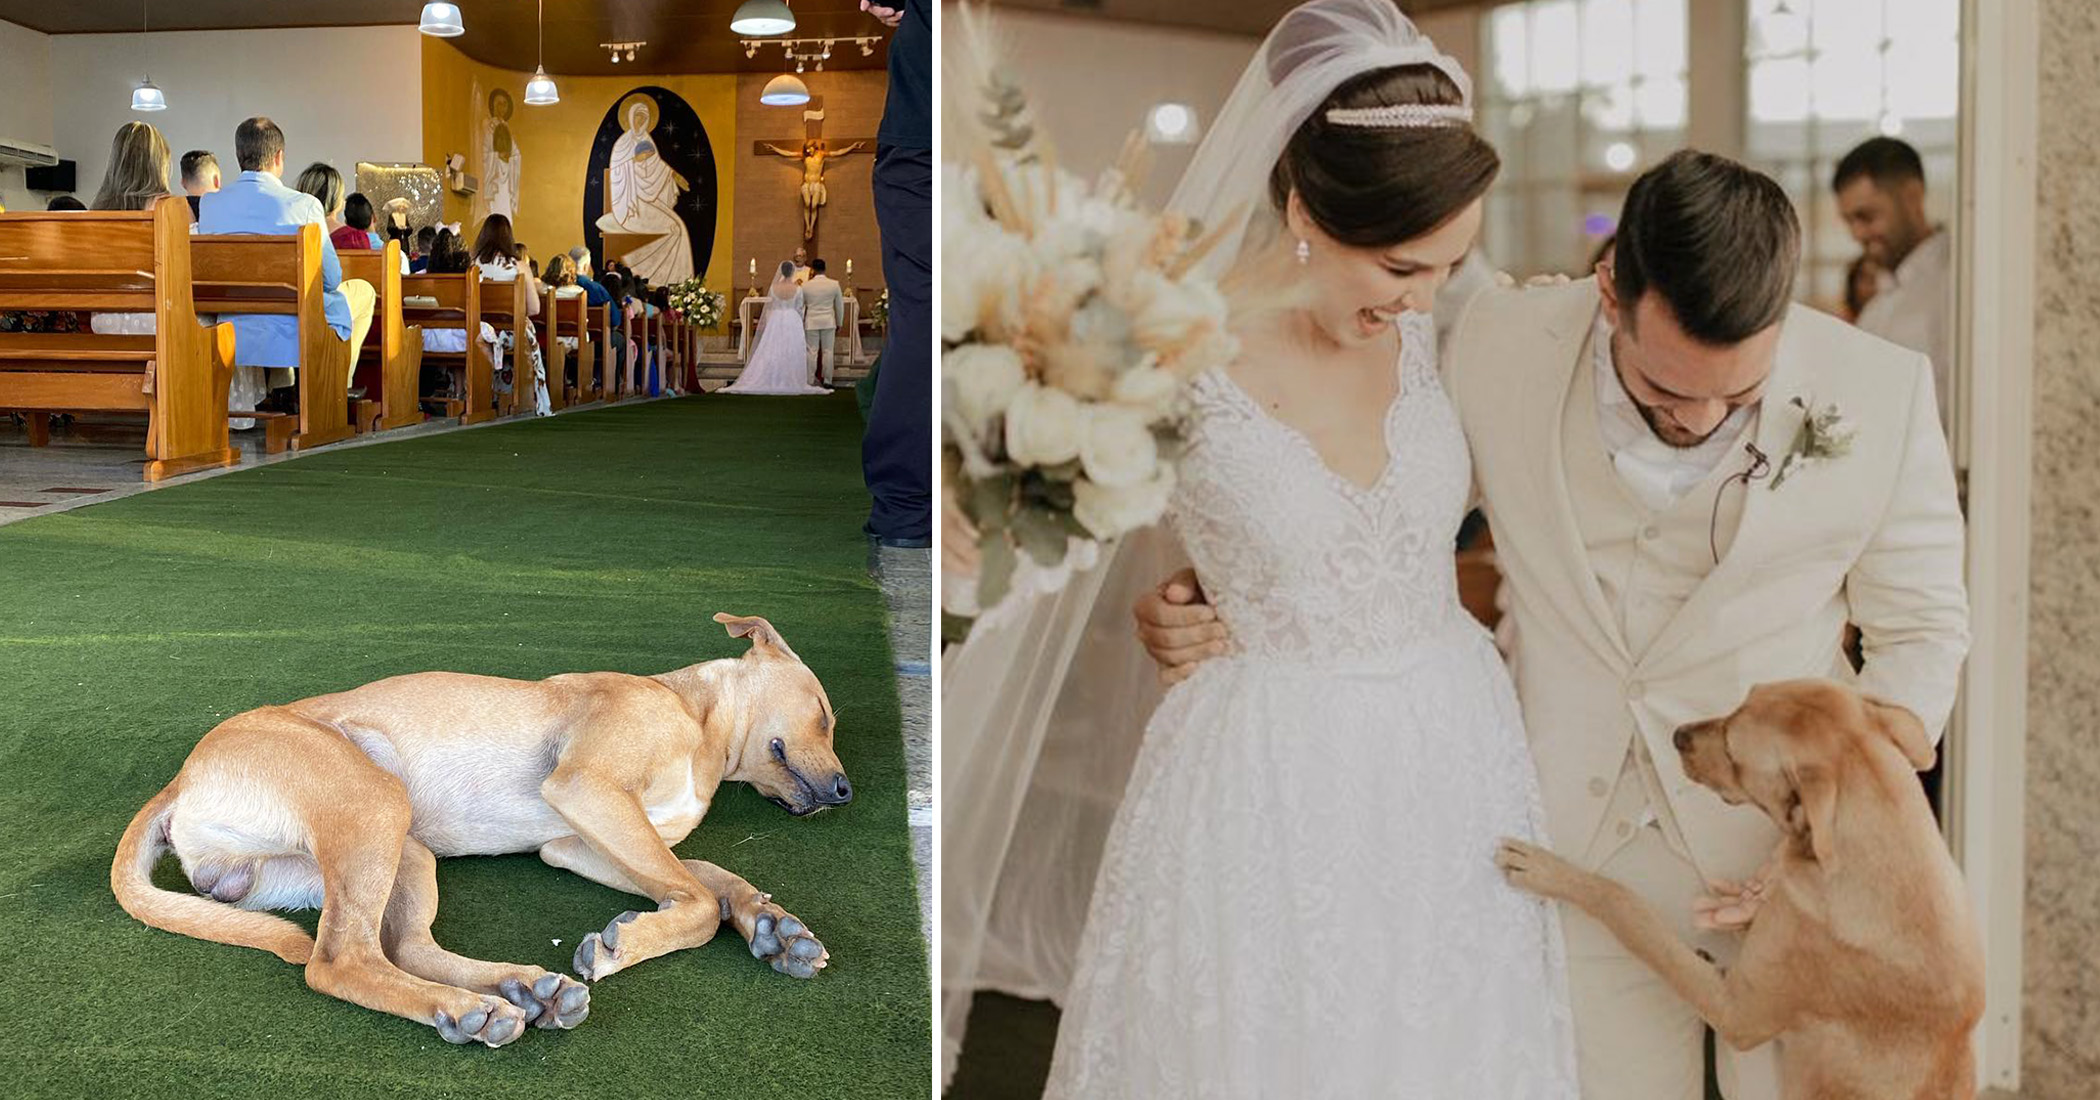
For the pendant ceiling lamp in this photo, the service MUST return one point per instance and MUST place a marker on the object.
(442, 21)
(763, 17)
(785, 90)
(146, 97)
(540, 91)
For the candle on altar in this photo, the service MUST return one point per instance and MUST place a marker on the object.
(849, 269)
(754, 267)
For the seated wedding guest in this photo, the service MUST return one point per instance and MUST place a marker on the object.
(496, 254)
(419, 257)
(200, 177)
(562, 285)
(447, 255)
(594, 291)
(355, 232)
(64, 202)
(1880, 187)
(616, 311)
(136, 179)
(258, 202)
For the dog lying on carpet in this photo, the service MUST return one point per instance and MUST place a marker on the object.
(1862, 958)
(345, 801)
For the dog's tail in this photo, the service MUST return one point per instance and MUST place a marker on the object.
(131, 878)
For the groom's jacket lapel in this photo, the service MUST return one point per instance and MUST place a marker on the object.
(1689, 637)
(1513, 384)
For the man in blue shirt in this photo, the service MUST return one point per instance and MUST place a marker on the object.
(593, 293)
(258, 202)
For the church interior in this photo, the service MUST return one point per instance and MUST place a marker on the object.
(459, 406)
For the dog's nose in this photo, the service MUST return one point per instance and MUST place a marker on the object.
(1682, 738)
(841, 790)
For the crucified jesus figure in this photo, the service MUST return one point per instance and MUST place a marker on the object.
(813, 153)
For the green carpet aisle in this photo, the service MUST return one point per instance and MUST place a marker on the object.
(598, 540)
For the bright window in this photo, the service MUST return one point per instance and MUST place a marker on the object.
(1579, 96)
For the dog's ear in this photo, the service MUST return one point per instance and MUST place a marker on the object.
(765, 640)
(1899, 725)
(1815, 810)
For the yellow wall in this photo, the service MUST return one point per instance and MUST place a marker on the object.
(554, 144)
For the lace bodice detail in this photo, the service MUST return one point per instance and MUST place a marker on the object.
(1301, 563)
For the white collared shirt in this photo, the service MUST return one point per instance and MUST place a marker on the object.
(1658, 474)
(1914, 307)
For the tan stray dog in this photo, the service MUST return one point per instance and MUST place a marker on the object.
(1863, 958)
(344, 801)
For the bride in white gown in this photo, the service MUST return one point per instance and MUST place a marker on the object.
(1297, 894)
(779, 362)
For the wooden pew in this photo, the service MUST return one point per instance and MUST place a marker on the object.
(281, 275)
(117, 261)
(458, 305)
(594, 375)
(391, 362)
(572, 318)
(506, 312)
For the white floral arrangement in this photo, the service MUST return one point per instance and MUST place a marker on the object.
(1824, 435)
(879, 310)
(1071, 322)
(701, 307)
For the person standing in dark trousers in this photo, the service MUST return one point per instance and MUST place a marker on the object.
(897, 450)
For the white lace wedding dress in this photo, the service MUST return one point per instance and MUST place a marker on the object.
(1299, 897)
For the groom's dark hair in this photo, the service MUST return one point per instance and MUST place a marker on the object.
(816, 266)
(1719, 242)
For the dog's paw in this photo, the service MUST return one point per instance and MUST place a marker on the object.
(550, 1001)
(778, 937)
(1532, 868)
(493, 1022)
(598, 955)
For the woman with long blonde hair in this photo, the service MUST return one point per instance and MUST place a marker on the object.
(139, 160)
(138, 169)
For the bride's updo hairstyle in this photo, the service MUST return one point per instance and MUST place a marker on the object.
(1381, 178)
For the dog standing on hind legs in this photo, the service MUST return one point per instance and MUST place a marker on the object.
(345, 801)
(1862, 956)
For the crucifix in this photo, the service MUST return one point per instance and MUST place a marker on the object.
(814, 151)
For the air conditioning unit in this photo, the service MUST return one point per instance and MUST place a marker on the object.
(27, 152)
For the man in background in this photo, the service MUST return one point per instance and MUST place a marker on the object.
(1880, 187)
(258, 202)
(200, 177)
(897, 452)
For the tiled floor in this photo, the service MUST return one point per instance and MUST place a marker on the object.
(93, 459)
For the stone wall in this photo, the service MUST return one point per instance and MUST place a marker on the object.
(768, 187)
(2060, 1055)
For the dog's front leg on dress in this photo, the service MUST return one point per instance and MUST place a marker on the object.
(1743, 1015)
(613, 824)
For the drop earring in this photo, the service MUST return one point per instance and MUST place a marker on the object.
(1304, 252)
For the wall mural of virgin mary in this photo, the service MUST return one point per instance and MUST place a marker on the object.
(649, 201)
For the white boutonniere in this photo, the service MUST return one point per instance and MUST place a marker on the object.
(1824, 434)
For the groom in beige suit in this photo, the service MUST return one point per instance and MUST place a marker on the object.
(1671, 536)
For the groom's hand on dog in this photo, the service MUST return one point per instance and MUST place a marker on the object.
(1179, 628)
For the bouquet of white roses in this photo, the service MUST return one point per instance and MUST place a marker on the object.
(701, 307)
(879, 311)
(1071, 322)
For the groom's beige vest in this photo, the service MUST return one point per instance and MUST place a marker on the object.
(1625, 628)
